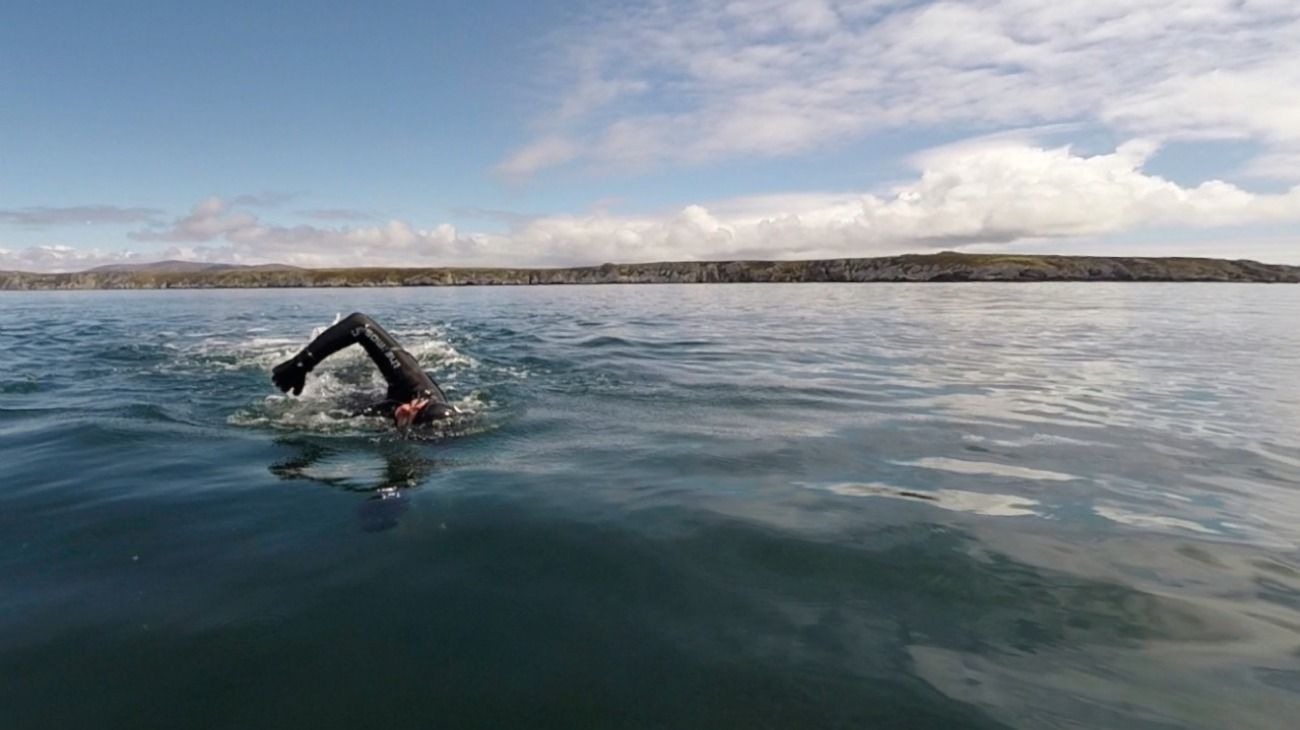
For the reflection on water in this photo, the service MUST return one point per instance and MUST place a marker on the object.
(390, 465)
(381, 473)
(995, 505)
(964, 466)
(1170, 634)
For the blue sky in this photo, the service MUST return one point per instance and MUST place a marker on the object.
(534, 133)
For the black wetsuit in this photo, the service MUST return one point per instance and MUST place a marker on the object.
(406, 381)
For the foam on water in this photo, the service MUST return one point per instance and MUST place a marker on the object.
(340, 388)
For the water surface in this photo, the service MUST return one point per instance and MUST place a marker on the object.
(786, 506)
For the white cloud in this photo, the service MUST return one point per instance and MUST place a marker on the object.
(1013, 191)
(988, 193)
(58, 257)
(1279, 164)
(694, 81)
(1262, 103)
(208, 220)
(240, 237)
(543, 153)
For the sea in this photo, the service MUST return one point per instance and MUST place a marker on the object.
(1038, 505)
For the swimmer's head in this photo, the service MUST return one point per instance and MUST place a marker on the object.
(420, 411)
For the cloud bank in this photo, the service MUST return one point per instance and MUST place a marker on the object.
(688, 82)
(986, 194)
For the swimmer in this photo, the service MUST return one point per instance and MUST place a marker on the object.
(413, 398)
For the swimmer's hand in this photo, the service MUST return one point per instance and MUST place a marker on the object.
(292, 373)
(406, 413)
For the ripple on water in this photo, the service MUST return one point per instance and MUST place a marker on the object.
(979, 503)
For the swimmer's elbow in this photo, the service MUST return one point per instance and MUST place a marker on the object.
(358, 319)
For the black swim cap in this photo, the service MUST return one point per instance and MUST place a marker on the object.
(434, 411)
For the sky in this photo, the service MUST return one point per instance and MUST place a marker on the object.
(538, 133)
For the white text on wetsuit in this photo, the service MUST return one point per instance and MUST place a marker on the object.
(388, 353)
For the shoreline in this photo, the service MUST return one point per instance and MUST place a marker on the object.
(941, 267)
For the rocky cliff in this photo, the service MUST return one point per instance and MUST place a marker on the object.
(930, 267)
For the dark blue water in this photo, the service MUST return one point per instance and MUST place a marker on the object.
(784, 506)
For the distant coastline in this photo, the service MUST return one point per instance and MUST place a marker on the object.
(940, 267)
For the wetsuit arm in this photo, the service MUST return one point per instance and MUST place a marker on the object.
(405, 378)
